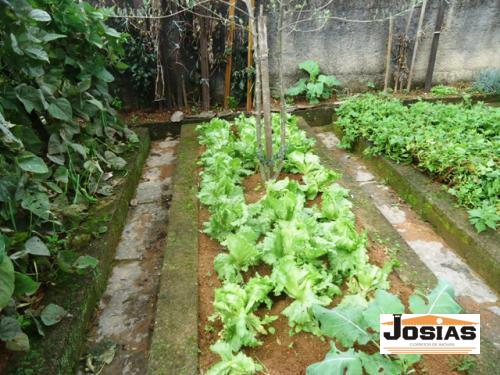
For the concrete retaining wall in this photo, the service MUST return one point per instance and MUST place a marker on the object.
(355, 52)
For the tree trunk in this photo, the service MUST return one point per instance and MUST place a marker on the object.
(283, 120)
(266, 92)
(204, 63)
(229, 51)
(415, 47)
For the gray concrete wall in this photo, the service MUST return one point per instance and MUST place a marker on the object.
(355, 52)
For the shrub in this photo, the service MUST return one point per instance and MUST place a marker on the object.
(488, 81)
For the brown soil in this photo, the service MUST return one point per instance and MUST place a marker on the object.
(144, 117)
(280, 353)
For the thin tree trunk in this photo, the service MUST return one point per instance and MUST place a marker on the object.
(283, 116)
(388, 55)
(415, 47)
(229, 49)
(249, 61)
(205, 72)
(258, 92)
(266, 92)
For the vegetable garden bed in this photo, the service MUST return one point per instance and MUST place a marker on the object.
(60, 349)
(279, 352)
(419, 187)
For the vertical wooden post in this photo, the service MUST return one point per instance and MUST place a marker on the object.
(434, 46)
(415, 47)
(266, 91)
(229, 47)
(388, 55)
(250, 62)
(204, 63)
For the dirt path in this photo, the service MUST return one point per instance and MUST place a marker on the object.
(125, 316)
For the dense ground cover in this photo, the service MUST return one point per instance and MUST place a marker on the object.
(314, 252)
(457, 144)
(60, 142)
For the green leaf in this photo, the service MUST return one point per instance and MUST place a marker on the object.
(29, 162)
(329, 81)
(60, 109)
(345, 322)
(38, 203)
(376, 364)
(30, 97)
(230, 363)
(337, 363)
(9, 328)
(441, 300)
(25, 285)
(297, 89)
(7, 281)
(52, 36)
(310, 67)
(104, 75)
(20, 343)
(37, 52)
(52, 314)
(15, 45)
(35, 246)
(115, 162)
(85, 262)
(383, 303)
(40, 15)
(2, 247)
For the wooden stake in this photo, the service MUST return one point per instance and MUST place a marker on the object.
(434, 47)
(388, 56)
(229, 47)
(250, 62)
(415, 47)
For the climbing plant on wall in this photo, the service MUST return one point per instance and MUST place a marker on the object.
(58, 136)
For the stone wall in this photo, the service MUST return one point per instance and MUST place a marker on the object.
(355, 52)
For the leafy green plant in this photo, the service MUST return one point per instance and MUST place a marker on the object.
(312, 251)
(457, 144)
(317, 86)
(355, 321)
(58, 136)
(464, 363)
(442, 90)
(488, 81)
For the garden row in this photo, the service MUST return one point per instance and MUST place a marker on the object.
(303, 230)
(456, 144)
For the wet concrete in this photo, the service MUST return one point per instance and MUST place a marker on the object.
(439, 257)
(126, 311)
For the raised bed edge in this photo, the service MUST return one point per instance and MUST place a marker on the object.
(60, 350)
(174, 346)
(480, 250)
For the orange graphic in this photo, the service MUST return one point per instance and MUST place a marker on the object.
(431, 320)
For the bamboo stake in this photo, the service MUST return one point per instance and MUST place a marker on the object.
(229, 47)
(250, 61)
(388, 55)
(415, 47)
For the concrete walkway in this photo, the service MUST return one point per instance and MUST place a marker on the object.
(125, 318)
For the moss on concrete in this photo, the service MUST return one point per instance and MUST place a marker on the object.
(174, 347)
(431, 202)
(59, 351)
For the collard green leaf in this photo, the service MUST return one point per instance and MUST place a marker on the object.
(344, 322)
(337, 363)
(383, 303)
(52, 314)
(441, 300)
(310, 67)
